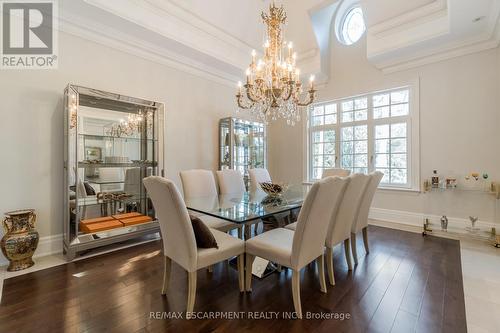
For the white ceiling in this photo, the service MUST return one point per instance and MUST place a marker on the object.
(214, 38)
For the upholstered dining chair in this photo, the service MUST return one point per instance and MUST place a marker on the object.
(335, 172)
(257, 176)
(201, 183)
(179, 243)
(231, 182)
(297, 249)
(339, 229)
(361, 223)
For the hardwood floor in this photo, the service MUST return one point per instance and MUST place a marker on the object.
(407, 283)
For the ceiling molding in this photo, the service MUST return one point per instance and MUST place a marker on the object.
(112, 38)
(413, 17)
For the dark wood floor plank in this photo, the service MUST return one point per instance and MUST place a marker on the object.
(405, 283)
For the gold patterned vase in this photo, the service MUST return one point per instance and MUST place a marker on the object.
(20, 239)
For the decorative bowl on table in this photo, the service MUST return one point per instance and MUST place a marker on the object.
(273, 189)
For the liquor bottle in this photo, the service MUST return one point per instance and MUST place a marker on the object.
(435, 179)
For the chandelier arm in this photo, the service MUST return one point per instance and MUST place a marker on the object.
(312, 93)
(241, 105)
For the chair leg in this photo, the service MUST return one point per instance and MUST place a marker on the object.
(354, 249)
(321, 272)
(166, 274)
(248, 231)
(347, 251)
(296, 293)
(248, 272)
(241, 272)
(191, 290)
(329, 265)
(210, 268)
(240, 232)
(365, 239)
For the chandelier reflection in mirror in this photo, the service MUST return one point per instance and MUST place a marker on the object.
(132, 126)
(273, 88)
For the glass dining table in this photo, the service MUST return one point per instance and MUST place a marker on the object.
(249, 206)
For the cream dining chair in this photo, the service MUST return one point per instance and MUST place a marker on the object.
(361, 223)
(179, 243)
(201, 183)
(297, 249)
(335, 172)
(257, 176)
(339, 229)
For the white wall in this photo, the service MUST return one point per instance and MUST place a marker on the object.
(31, 168)
(459, 120)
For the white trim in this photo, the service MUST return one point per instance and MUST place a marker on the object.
(47, 245)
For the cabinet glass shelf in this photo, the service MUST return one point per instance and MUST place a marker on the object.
(112, 142)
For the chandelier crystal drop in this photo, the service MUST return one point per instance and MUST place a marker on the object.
(273, 88)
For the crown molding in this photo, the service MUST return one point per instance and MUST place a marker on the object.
(112, 38)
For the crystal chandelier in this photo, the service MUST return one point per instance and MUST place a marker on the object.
(273, 89)
(132, 127)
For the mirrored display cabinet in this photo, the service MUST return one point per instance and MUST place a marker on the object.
(112, 142)
(242, 145)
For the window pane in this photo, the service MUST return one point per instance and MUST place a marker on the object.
(318, 149)
(317, 137)
(385, 179)
(347, 161)
(347, 106)
(329, 161)
(360, 170)
(382, 132)
(398, 146)
(399, 96)
(361, 147)
(382, 160)
(399, 110)
(317, 173)
(382, 146)
(398, 130)
(381, 100)
(398, 176)
(347, 117)
(382, 112)
(360, 115)
(330, 108)
(330, 119)
(361, 132)
(347, 133)
(329, 136)
(317, 121)
(329, 148)
(318, 110)
(347, 147)
(398, 161)
(360, 160)
(318, 161)
(361, 103)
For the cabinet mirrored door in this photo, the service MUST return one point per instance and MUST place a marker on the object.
(112, 142)
(242, 145)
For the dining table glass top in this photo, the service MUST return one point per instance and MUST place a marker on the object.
(248, 206)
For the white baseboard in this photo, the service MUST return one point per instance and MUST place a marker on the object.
(47, 245)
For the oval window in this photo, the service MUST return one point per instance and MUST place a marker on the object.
(353, 26)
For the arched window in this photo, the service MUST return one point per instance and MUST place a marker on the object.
(352, 26)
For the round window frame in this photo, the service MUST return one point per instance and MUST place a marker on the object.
(343, 12)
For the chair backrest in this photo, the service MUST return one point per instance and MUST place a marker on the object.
(339, 228)
(198, 183)
(314, 218)
(179, 242)
(362, 220)
(335, 172)
(230, 182)
(257, 176)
